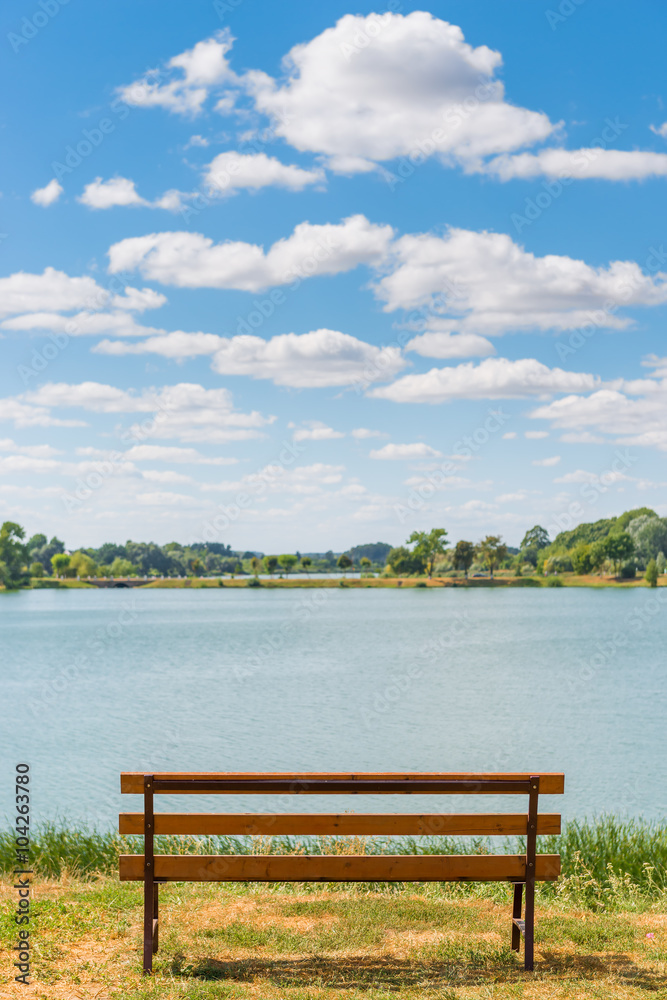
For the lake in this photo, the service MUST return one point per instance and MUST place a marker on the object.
(99, 681)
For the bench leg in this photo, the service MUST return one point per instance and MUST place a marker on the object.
(530, 925)
(516, 915)
(149, 897)
(155, 918)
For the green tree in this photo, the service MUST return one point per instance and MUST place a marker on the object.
(651, 574)
(287, 562)
(619, 548)
(36, 569)
(402, 561)
(661, 562)
(581, 559)
(270, 564)
(464, 554)
(344, 562)
(255, 565)
(598, 554)
(82, 564)
(533, 542)
(428, 545)
(13, 555)
(306, 563)
(365, 564)
(60, 563)
(123, 567)
(492, 551)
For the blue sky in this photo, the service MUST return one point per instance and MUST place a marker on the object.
(303, 277)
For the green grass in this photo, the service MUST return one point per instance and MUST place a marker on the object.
(605, 862)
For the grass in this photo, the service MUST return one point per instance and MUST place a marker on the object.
(301, 942)
(341, 940)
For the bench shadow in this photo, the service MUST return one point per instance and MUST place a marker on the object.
(367, 972)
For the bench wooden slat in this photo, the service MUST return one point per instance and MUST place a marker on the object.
(132, 782)
(340, 868)
(344, 824)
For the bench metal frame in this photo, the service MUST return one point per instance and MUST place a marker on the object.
(521, 870)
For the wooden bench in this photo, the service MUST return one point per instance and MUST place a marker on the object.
(523, 870)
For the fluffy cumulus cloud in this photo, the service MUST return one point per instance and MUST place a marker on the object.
(231, 172)
(374, 88)
(56, 302)
(184, 83)
(47, 195)
(449, 345)
(484, 283)
(121, 191)
(186, 412)
(592, 163)
(403, 452)
(632, 413)
(308, 360)
(191, 260)
(316, 430)
(494, 378)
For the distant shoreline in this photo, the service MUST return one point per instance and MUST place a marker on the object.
(353, 583)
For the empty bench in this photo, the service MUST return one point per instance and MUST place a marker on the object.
(521, 870)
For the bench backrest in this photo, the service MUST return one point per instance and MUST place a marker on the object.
(344, 868)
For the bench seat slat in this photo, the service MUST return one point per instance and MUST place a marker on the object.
(340, 868)
(132, 782)
(344, 824)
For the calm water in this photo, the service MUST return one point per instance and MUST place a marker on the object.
(95, 682)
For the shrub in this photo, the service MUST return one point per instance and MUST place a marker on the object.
(252, 582)
(420, 583)
(554, 581)
(651, 574)
(628, 571)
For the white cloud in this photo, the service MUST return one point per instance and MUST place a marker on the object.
(636, 421)
(316, 359)
(304, 480)
(107, 194)
(375, 88)
(190, 260)
(186, 411)
(536, 435)
(197, 140)
(509, 436)
(581, 476)
(485, 283)
(160, 453)
(165, 499)
(53, 290)
(121, 191)
(495, 378)
(403, 452)
(231, 172)
(315, 430)
(448, 345)
(165, 476)
(659, 129)
(190, 77)
(47, 195)
(362, 433)
(31, 450)
(594, 164)
(547, 462)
